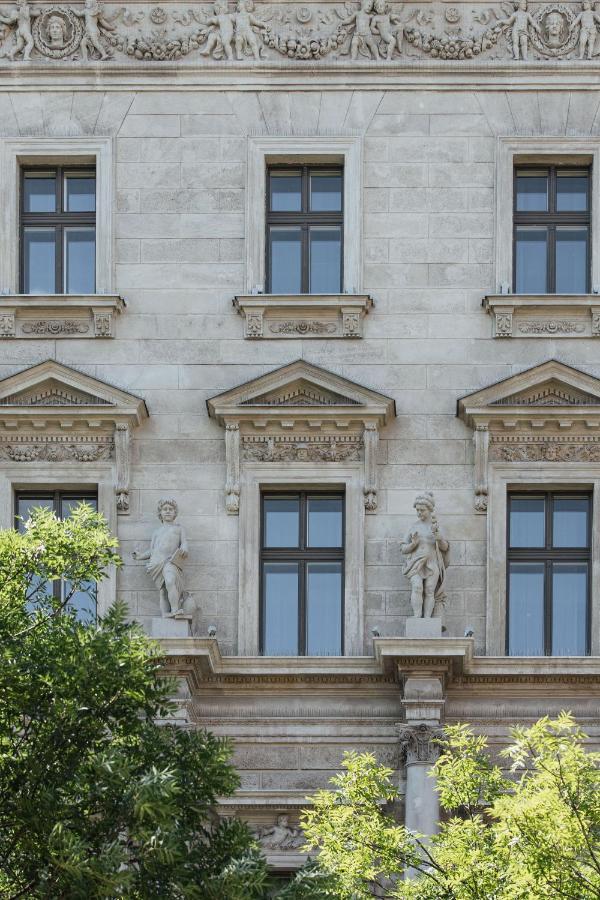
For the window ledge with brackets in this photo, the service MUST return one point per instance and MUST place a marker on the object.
(303, 315)
(59, 315)
(544, 315)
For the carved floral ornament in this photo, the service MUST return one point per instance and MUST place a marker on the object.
(240, 30)
(550, 413)
(301, 414)
(53, 413)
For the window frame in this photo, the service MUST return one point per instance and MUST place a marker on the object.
(548, 555)
(57, 495)
(60, 219)
(305, 218)
(301, 555)
(551, 218)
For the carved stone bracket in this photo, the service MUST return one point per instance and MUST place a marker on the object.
(303, 316)
(420, 743)
(371, 442)
(481, 439)
(551, 315)
(59, 315)
(232, 458)
(122, 451)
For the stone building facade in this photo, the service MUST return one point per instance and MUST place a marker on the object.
(308, 261)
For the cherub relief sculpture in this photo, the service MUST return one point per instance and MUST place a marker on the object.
(520, 22)
(21, 16)
(426, 550)
(166, 555)
(363, 38)
(245, 38)
(280, 836)
(587, 21)
(220, 38)
(389, 28)
(92, 17)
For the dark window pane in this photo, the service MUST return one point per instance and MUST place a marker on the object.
(39, 258)
(68, 504)
(80, 193)
(571, 192)
(286, 259)
(571, 260)
(324, 608)
(39, 194)
(527, 524)
(531, 260)
(532, 192)
(325, 260)
(280, 586)
(570, 522)
(80, 260)
(325, 521)
(286, 192)
(26, 504)
(282, 522)
(325, 192)
(569, 609)
(526, 609)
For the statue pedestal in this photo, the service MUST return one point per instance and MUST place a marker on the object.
(171, 626)
(423, 628)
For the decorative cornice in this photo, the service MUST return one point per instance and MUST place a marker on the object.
(307, 316)
(59, 315)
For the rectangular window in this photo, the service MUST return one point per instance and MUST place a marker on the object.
(58, 230)
(304, 230)
(302, 574)
(552, 219)
(548, 574)
(83, 601)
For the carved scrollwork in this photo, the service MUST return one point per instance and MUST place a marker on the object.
(302, 326)
(420, 743)
(55, 326)
(301, 450)
(56, 451)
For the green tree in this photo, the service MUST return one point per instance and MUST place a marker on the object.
(526, 831)
(98, 801)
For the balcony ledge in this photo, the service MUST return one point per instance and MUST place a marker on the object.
(59, 315)
(276, 316)
(544, 315)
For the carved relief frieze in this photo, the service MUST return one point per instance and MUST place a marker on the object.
(551, 326)
(303, 448)
(245, 31)
(56, 449)
(301, 327)
(552, 315)
(54, 327)
(59, 315)
(310, 316)
(521, 448)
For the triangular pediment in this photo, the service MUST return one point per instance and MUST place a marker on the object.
(299, 384)
(52, 387)
(549, 386)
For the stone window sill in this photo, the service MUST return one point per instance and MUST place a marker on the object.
(544, 315)
(59, 315)
(303, 315)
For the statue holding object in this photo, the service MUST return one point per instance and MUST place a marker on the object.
(426, 550)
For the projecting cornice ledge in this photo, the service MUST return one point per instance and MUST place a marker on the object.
(199, 660)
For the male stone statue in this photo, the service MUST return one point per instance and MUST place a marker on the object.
(280, 836)
(520, 21)
(168, 549)
(426, 551)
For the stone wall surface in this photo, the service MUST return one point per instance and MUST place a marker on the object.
(431, 147)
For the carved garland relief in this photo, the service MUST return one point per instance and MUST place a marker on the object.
(370, 30)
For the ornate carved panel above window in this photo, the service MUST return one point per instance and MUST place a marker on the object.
(59, 315)
(304, 414)
(303, 315)
(550, 413)
(544, 315)
(53, 413)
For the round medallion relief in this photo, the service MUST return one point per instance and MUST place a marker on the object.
(57, 32)
(557, 35)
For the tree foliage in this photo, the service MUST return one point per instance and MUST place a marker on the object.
(526, 830)
(98, 801)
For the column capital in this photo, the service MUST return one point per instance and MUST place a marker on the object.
(419, 743)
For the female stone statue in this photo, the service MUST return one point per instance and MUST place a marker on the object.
(426, 551)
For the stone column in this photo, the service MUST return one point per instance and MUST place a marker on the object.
(422, 809)
(423, 702)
